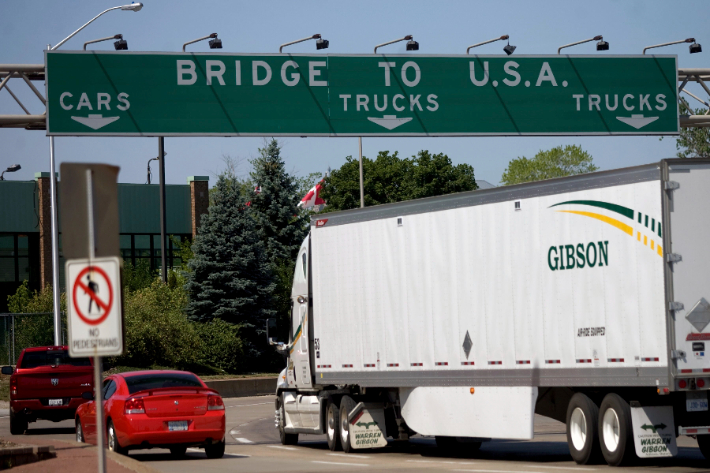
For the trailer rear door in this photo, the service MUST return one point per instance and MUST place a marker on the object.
(689, 206)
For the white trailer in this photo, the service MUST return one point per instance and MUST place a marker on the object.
(584, 299)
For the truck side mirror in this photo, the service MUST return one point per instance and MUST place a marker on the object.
(88, 395)
(270, 328)
(7, 370)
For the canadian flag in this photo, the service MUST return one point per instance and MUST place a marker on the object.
(312, 198)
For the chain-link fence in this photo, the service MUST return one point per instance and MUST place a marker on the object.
(19, 331)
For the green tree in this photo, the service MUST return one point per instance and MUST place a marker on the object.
(693, 142)
(157, 330)
(35, 330)
(389, 179)
(139, 276)
(279, 223)
(557, 162)
(230, 277)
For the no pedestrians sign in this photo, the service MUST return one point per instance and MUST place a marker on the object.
(94, 306)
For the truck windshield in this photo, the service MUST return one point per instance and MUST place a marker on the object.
(142, 382)
(34, 359)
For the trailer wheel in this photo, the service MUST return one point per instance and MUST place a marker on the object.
(582, 424)
(615, 430)
(704, 445)
(286, 439)
(346, 405)
(332, 425)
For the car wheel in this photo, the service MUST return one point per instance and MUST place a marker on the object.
(113, 444)
(582, 425)
(216, 450)
(332, 426)
(346, 406)
(615, 431)
(18, 423)
(178, 452)
(79, 431)
(286, 439)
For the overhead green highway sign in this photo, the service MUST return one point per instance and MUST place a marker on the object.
(180, 94)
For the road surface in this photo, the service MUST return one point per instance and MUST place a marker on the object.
(253, 446)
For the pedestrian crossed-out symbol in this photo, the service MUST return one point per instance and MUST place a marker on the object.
(92, 295)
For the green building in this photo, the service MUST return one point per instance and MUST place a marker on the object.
(25, 232)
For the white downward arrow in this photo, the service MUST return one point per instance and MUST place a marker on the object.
(637, 121)
(390, 121)
(95, 121)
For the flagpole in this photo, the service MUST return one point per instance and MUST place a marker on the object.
(362, 187)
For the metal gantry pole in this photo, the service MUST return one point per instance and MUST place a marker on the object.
(163, 259)
(362, 186)
(56, 290)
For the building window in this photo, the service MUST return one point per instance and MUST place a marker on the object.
(137, 247)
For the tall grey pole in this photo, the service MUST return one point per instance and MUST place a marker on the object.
(362, 187)
(163, 259)
(56, 290)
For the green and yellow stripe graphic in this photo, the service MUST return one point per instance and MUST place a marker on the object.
(643, 219)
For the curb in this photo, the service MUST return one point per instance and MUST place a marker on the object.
(243, 387)
(15, 456)
(123, 460)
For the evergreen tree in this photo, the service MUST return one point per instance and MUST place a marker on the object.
(230, 277)
(280, 224)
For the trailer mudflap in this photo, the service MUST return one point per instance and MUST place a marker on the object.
(654, 431)
(367, 426)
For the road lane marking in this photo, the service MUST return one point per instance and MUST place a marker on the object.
(243, 440)
(342, 464)
(247, 405)
(280, 446)
(346, 455)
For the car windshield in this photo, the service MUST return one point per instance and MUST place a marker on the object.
(33, 359)
(142, 382)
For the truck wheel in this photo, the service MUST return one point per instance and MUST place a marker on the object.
(332, 426)
(346, 405)
(18, 423)
(582, 425)
(615, 430)
(704, 445)
(286, 439)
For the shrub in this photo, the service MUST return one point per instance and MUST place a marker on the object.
(157, 330)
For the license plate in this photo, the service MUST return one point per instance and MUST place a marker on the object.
(55, 402)
(177, 425)
(695, 402)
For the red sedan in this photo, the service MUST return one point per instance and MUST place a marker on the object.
(156, 409)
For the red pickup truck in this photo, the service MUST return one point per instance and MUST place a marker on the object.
(47, 384)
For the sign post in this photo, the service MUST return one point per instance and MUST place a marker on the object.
(94, 306)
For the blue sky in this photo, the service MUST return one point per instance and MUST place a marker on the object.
(440, 27)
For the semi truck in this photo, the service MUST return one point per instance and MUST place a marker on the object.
(585, 299)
